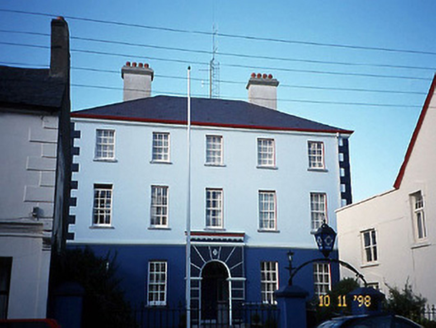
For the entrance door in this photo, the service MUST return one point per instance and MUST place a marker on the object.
(215, 293)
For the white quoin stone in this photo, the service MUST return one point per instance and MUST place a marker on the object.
(137, 81)
(262, 91)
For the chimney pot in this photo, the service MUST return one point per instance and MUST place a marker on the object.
(264, 76)
(134, 64)
(146, 65)
(128, 63)
(259, 75)
(270, 76)
(140, 65)
(253, 75)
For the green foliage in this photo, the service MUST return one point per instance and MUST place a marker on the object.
(405, 303)
(103, 303)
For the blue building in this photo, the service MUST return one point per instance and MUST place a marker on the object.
(261, 183)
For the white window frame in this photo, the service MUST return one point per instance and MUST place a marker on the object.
(369, 246)
(159, 207)
(157, 283)
(315, 150)
(102, 206)
(266, 152)
(267, 210)
(214, 208)
(418, 212)
(269, 281)
(318, 209)
(214, 150)
(104, 145)
(161, 147)
(321, 278)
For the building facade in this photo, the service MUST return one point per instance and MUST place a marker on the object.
(34, 176)
(258, 184)
(391, 237)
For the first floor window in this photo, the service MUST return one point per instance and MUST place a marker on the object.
(102, 212)
(159, 206)
(161, 147)
(418, 216)
(316, 154)
(269, 281)
(318, 210)
(214, 150)
(214, 208)
(105, 145)
(265, 152)
(321, 278)
(369, 244)
(267, 210)
(157, 283)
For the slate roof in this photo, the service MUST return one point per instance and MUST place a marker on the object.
(30, 88)
(206, 112)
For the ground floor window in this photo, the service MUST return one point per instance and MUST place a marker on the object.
(269, 281)
(321, 278)
(157, 283)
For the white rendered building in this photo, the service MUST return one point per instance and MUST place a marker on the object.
(391, 238)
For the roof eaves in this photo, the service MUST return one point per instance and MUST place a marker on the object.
(412, 142)
(224, 125)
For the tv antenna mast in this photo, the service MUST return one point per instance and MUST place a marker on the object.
(214, 69)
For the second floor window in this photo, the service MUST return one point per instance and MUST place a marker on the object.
(318, 210)
(265, 152)
(369, 245)
(267, 210)
(269, 281)
(214, 208)
(418, 216)
(214, 150)
(159, 206)
(316, 155)
(161, 147)
(102, 210)
(105, 145)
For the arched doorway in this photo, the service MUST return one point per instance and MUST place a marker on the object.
(215, 293)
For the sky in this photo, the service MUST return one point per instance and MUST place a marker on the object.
(359, 65)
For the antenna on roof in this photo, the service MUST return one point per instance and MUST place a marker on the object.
(214, 68)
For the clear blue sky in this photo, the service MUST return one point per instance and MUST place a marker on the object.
(329, 53)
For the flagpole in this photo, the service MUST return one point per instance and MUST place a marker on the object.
(188, 209)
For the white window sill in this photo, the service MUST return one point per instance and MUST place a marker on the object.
(370, 264)
(419, 244)
(96, 226)
(268, 230)
(313, 169)
(106, 160)
(158, 228)
(267, 167)
(160, 162)
(214, 165)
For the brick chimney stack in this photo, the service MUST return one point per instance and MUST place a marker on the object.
(60, 49)
(262, 90)
(137, 80)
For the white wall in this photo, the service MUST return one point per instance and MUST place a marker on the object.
(27, 176)
(402, 259)
(132, 177)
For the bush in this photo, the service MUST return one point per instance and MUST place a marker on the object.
(103, 302)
